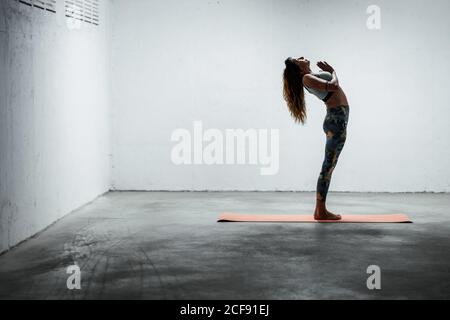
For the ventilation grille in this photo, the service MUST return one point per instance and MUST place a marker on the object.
(83, 10)
(47, 5)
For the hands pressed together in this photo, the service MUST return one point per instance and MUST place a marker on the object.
(325, 66)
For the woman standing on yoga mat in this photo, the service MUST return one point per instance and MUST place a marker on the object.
(325, 86)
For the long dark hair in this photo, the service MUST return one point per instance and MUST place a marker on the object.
(293, 91)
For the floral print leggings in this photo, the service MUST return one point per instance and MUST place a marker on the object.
(335, 127)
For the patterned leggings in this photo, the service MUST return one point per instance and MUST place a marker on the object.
(335, 127)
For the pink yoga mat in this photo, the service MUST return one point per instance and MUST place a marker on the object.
(386, 218)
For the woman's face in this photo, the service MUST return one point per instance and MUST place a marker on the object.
(303, 63)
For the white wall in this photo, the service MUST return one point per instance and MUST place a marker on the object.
(54, 118)
(220, 62)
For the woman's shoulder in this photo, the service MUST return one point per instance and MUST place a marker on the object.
(324, 75)
(309, 78)
(321, 75)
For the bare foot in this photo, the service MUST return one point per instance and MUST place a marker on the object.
(326, 215)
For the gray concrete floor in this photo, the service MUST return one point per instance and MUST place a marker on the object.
(138, 245)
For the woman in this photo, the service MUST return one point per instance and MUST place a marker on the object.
(325, 86)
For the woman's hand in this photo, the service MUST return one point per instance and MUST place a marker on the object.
(325, 66)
